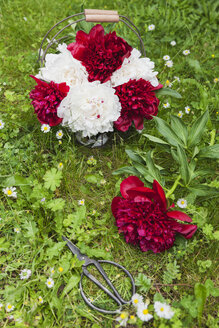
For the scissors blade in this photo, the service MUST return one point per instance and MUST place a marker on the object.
(74, 249)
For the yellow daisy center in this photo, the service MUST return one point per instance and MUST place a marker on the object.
(136, 301)
(45, 128)
(182, 202)
(60, 133)
(9, 192)
(132, 317)
(49, 282)
(145, 311)
(122, 316)
(212, 55)
(40, 299)
(179, 114)
(9, 306)
(0, 124)
(188, 109)
(60, 269)
(60, 164)
(162, 309)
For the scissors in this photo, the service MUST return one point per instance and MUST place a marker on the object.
(87, 261)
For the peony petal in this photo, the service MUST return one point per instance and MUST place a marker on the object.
(160, 195)
(123, 123)
(141, 192)
(187, 230)
(178, 215)
(139, 122)
(114, 205)
(129, 183)
(97, 34)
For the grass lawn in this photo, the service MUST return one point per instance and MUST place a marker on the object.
(51, 176)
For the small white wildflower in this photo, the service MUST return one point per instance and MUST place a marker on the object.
(1, 306)
(186, 52)
(49, 282)
(0, 219)
(43, 199)
(59, 134)
(166, 105)
(103, 181)
(60, 166)
(187, 109)
(52, 271)
(182, 203)
(143, 313)
(25, 274)
(81, 202)
(10, 317)
(122, 319)
(166, 57)
(180, 114)
(2, 124)
(10, 192)
(17, 230)
(177, 78)
(45, 128)
(137, 300)
(169, 63)
(4, 83)
(151, 27)
(173, 43)
(18, 320)
(9, 307)
(25, 18)
(163, 310)
(216, 80)
(168, 84)
(40, 299)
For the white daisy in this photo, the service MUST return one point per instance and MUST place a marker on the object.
(177, 78)
(1, 306)
(180, 114)
(49, 282)
(168, 84)
(166, 105)
(216, 80)
(187, 109)
(169, 63)
(25, 274)
(52, 271)
(81, 202)
(102, 181)
(17, 230)
(143, 313)
(182, 203)
(25, 18)
(9, 307)
(40, 299)
(123, 318)
(60, 166)
(2, 124)
(163, 310)
(137, 300)
(173, 43)
(45, 128)
(186, 52)
(166, 57)
(151, 27)
(10, 192)
(59, 134)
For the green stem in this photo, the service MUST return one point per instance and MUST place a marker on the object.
(173, 187)
(213, 134)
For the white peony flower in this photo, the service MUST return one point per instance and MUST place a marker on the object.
(90, 108)
(135, 67)
(163, 310)
(63, 67)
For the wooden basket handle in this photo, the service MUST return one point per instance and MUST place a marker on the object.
(97, 15)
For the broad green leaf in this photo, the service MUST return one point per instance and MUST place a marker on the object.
(126, 169)
(211, 289)
(210, 152)
(55, 250)
(152, 168)
(194, 63)
(201, 296)
(155, 139)
(75, 219)
(174, 155)
(135, 157)
(143, 282)
(179, 128)
(184, 168)
(52, 179)
(31, 229)
(197, 129)
(72, 283)
(144, 172)
(168, 92)
(16, 180)
(92, 178)
(56, 204)
(202, 173)
(203, 190)
(167, 132)
(159, 298)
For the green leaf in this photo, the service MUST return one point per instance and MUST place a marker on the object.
(75, 219)
(126, 169)
(211, 290)
(55, 250)
(167, 132)
(144, 172)
(52, 179)
(197, 129)
(92, 178)
(135, 157)
(153, 170)
(168, 92)
(31, 228)
(194, 63)
(201, 296)
(159, 298)
(184, 168)
(56, 204)
(203, 190)
(155, 139)
(143, 282)
(179, 128)
(84, 313)
(210, 152)
(72, 283)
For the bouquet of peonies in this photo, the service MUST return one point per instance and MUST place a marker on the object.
(95, 84)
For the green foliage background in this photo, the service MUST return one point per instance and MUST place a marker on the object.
(185, 275)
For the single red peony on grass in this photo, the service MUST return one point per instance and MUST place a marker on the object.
(138, 101)
(46, 99)
(142, 215)
(100, 54)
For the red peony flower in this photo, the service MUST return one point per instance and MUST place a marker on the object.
(100, 54)
(46, 99)
(143, 217)
(138, 101)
